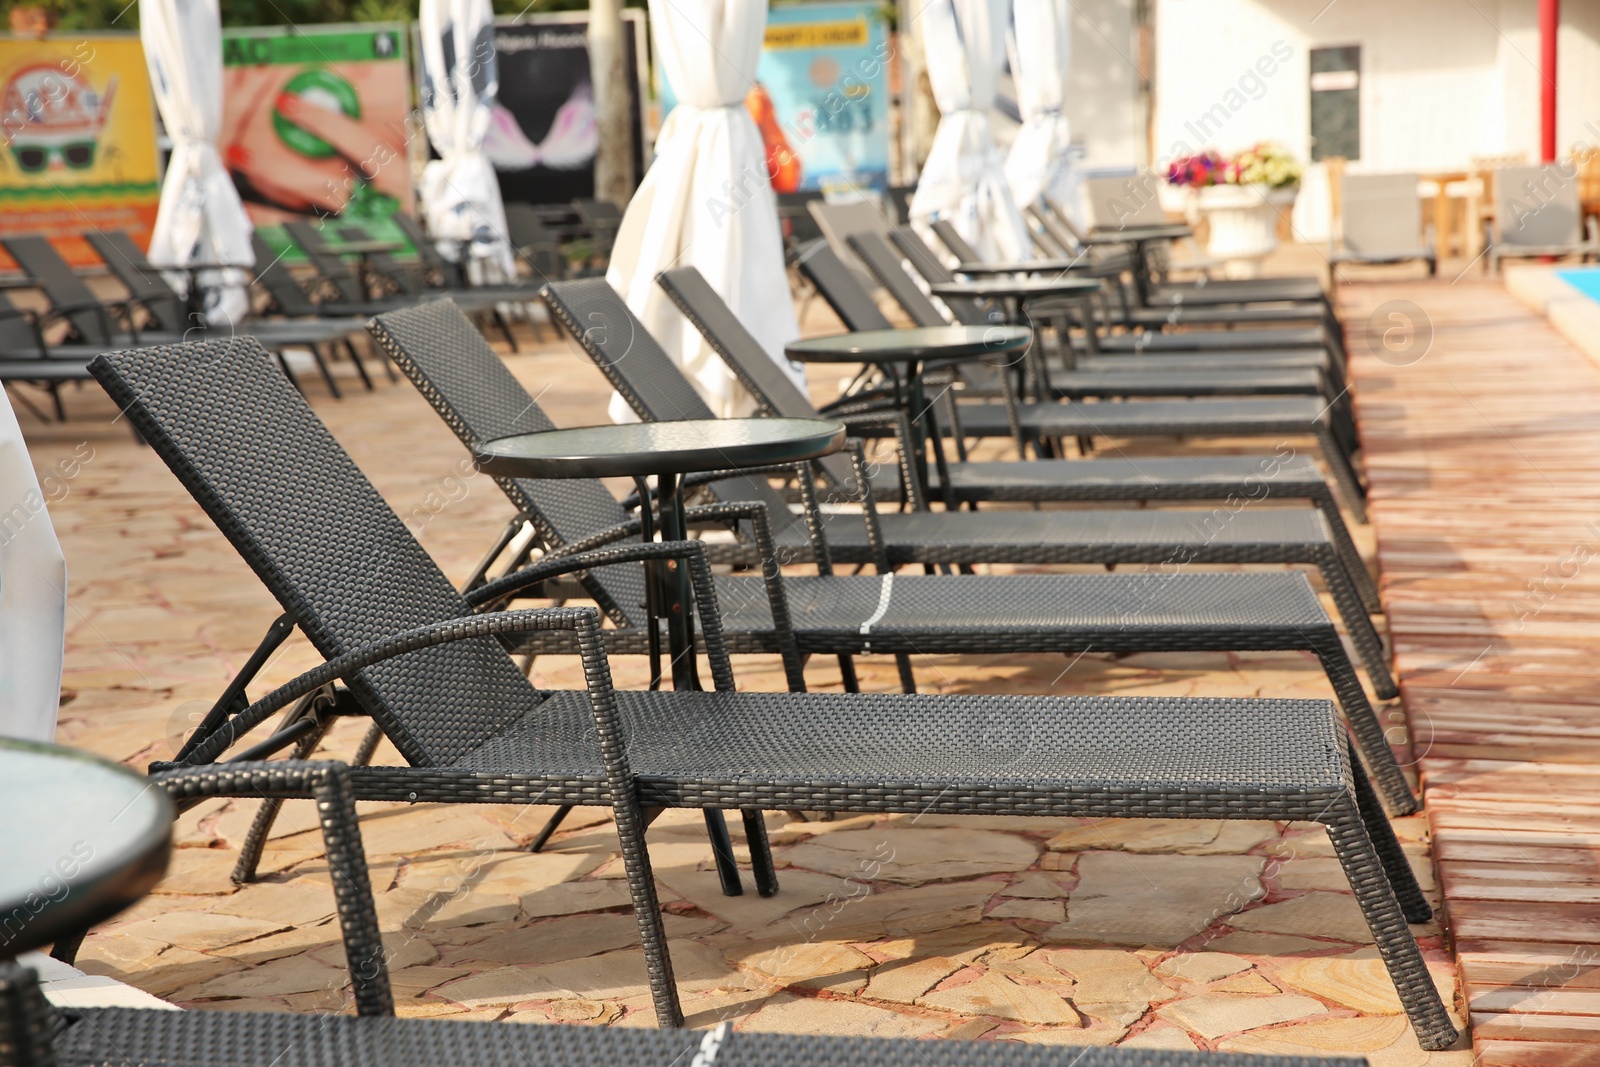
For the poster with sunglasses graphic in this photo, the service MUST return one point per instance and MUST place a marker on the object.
(315, 125)
(78, 121)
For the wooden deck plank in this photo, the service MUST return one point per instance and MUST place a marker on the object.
(1485, 494)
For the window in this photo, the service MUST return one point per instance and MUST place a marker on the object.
(1336, 102)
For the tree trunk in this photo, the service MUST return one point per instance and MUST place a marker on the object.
(613, 169)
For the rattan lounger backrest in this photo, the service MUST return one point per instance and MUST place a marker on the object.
(926, 262)
(334, 270)
(38, 257)
(886, 266)
(838, 286)
(266, 470)
(446, 357)
(774, 390)
(640, 370)
(279, 282)
(143, 282)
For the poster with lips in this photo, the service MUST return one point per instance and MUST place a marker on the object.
(821, 97)
(543, 139)
(78, 121)
(316, 125)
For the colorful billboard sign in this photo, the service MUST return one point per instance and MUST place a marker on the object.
(544, 137)
(316, 124)
(821, 97)
(78, 121)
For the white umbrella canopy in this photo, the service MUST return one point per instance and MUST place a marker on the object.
(964, 178)
(33, 593)
(200, 219)
(707, 200)
(460, 78)
(1038, 166)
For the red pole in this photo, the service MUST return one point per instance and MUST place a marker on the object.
(1549, 30)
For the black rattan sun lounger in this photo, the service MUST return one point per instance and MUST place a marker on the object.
(932, 269)
(1280, 476)
(35, 1034)
(902, 615)
(1029, 422)
(169, 316)
(415, 656)
(1127, 379)
(656, 389)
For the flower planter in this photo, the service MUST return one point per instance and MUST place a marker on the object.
(1243, 223)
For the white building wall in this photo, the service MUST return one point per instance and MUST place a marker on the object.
(1103, 86)
(1442, 81)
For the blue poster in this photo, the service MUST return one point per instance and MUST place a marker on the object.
(821, 97)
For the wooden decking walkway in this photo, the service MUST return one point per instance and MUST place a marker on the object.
(1483, 449)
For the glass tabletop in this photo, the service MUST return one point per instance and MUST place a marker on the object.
(1035, 266)
(1127, 234)
(83, 838)
(988, 287)
(647, 448)
(907, 346)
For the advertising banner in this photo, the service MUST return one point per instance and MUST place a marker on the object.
(544, 138)
(315, 125)
(821, 97)
(78, 122)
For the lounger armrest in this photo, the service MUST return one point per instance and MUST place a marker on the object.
(575, 559)
(900, 423)
(328, 783)
(760, 521)
(585, 621)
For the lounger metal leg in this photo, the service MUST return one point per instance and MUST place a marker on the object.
(1354, 565)
(550, 826)
(1381, 832)
(722, 852)
(368, 746)
(355, 359)
(1357, 623)
(1363, 722)
(283, 362)
(908, 680)
(255, 842)
(755, 833)
(847, 671)
(1343, 473)
(66, 949)
(505, 328)
(1379, 905)
(326, 371)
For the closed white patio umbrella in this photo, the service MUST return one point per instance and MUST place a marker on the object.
(1038, 166)
(460, 192)
(707, 201)
(964, 178)
(33, 594)
(200, 219)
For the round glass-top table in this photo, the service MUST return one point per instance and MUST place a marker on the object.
(920, 345)
(907, 352)
(665, 451)
(83, 839)
(641, 449)
(1140, 237)
(1015, 291)
(1032, 266)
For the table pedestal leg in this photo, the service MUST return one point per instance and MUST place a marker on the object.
(673, 594)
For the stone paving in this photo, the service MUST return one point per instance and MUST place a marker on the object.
(1156, 934)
